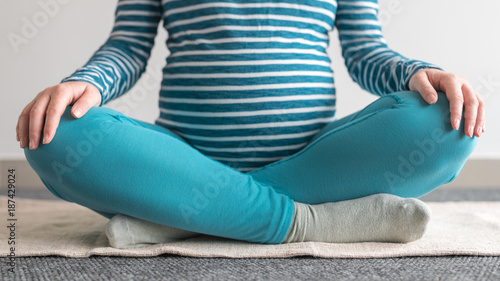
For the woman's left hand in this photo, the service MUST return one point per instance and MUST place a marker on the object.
(458, 91)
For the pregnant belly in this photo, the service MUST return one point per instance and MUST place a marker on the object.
(247, 111)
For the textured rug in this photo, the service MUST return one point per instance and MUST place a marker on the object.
(46, 227)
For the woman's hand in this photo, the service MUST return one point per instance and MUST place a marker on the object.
(458, 91)
(49, 106)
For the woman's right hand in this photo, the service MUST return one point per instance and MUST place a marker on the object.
(49, 105)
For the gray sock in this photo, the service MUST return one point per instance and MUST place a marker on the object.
(375, 218)
(128, 232)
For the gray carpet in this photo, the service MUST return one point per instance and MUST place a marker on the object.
(302, 268)
(169, 267)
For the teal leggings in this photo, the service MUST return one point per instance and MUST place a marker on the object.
(111, 164)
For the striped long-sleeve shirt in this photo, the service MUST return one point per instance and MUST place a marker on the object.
(247, 82)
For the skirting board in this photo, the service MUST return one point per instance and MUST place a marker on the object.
(477, 173)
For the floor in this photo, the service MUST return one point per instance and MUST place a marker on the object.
(171, 267)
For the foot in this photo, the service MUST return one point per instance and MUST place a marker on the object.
(375, 218)
(128, 232)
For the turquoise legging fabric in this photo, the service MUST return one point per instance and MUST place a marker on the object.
(111, 164)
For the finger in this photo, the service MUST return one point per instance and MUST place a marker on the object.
(481, 117)
(88, 99)
(425, 88)
(55, 110)
(454, 94)
(17, 131)
(471, 108)
(37, 117)
(23, 125)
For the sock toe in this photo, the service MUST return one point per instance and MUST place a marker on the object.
(116, 231)
(417, 215)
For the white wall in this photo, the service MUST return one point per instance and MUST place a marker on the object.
(460, 36)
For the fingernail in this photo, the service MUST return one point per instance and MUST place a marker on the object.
(21, 144)
(32, 144)
(456, 124)
(78, 112)
(480, 132)
(470, 131)
(45, 139)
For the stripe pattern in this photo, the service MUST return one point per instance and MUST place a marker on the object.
(247, 83)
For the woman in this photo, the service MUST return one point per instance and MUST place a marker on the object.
(246, 145)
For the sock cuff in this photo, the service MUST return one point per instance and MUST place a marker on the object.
(297, 231)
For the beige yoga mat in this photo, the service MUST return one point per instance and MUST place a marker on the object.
(46, 227)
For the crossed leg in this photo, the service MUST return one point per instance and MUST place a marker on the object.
(398, 144)
(114, 164)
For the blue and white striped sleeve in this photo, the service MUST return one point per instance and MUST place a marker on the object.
(117, 65)
(370, 62)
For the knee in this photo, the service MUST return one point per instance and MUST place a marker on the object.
(434, 144)
(74, 140)
(69, 129)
